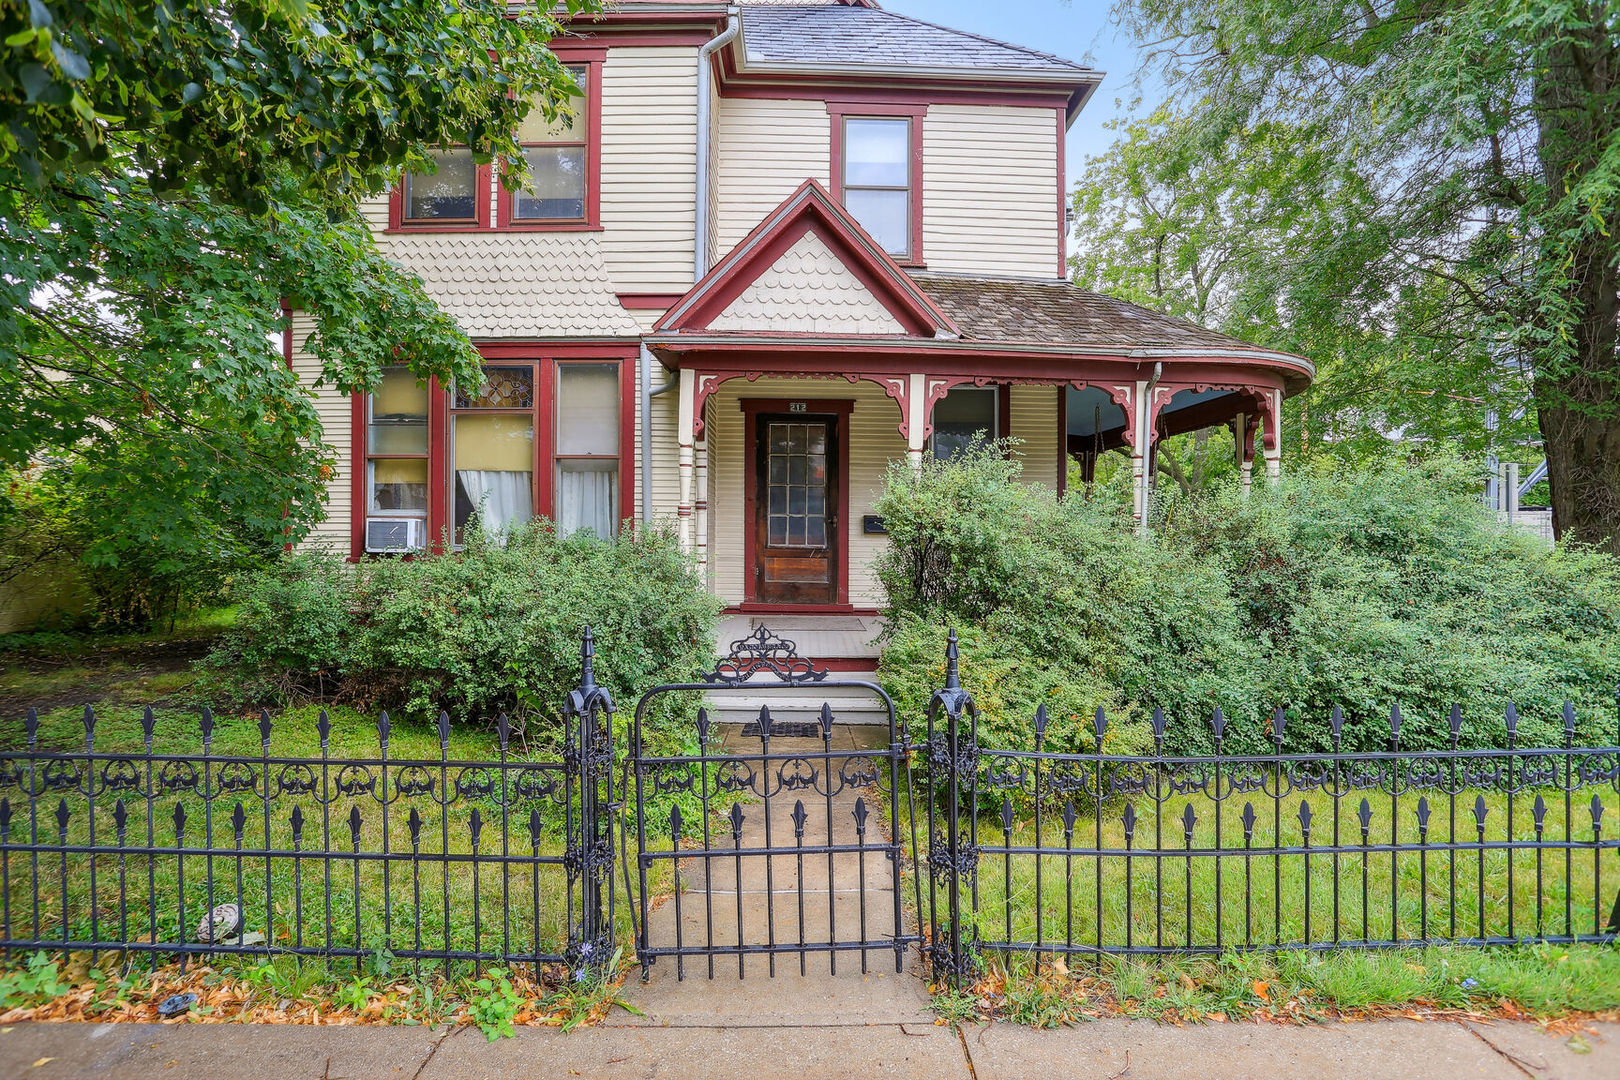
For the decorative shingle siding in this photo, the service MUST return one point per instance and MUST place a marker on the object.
(808, 289)
(517, 284)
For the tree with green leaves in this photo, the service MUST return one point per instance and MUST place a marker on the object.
(1417, 194)
(172, 175)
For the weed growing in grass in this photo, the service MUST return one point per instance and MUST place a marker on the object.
(40, 979)
(493, 1004)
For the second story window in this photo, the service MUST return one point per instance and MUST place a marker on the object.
(564, 158)
(877, 155)
(448, 194)
(877, 179)
(557, 156)
(452, 195)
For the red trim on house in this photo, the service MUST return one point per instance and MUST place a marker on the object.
(287, 334)
(810, 206)
(823, 86)
(1003, 410)
(808, 356)
(357, 476)
(752, 408)
(648, 301)
(840, 110)
(438, 480)
(480, 220)
(590, 57)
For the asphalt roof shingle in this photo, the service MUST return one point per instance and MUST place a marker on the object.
(839, 34)
(1048, 312)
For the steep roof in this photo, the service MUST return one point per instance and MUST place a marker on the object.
(843, 35)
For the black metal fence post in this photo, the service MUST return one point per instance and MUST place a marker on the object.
(588, 718)
(953, 856)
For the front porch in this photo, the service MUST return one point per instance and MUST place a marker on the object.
(809, 363)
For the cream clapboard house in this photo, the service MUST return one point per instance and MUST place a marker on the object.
(780, 246)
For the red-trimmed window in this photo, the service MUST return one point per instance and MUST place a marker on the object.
(877, 172)
(564, 157)
(453, 196)
(540, 435)
(396, 464)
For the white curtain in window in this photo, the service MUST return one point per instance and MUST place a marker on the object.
(587, 498)
(503, 497)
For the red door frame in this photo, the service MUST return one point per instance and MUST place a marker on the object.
(838, 408)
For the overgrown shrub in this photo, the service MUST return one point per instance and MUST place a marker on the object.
(488, 629)
(1357, 589)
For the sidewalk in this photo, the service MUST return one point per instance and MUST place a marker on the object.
(1108, 1050)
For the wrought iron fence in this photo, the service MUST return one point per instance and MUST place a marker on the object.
(174, 855)
(510, 858)
(1064, 853)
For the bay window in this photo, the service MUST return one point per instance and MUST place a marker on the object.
(492, 451)
(537, 436)
(587, 452)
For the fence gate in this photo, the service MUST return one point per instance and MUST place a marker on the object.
(783, 837)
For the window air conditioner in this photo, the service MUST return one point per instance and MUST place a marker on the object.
(396, 534)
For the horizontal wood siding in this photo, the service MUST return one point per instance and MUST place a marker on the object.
(336, 412)
(649, 167)
(990, 190)
(1032, 416)
(874, 441)
(767, 149)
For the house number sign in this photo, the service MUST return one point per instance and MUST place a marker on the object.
(797, 406)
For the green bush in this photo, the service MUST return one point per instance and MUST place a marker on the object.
(489, 629)
(1365, 590)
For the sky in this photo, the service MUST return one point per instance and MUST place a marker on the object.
(1081, 30)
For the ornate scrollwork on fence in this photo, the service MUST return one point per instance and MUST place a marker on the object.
(764, 651)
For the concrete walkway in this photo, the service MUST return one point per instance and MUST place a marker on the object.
(1108, 1050)
(756, 898)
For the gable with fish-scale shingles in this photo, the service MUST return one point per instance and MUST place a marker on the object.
(809, 289)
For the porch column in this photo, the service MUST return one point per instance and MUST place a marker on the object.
(917, 418)
(1272, 446)
(701, 504)
(1142, 437)
(1243, 438)
(686, 438)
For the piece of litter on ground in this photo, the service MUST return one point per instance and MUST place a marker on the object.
(1579, 1045)
(43, 1061)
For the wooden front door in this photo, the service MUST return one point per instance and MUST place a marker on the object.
(796, 503)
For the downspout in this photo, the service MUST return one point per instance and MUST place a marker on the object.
(700, 250)
(648, 392)
(700, 245)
